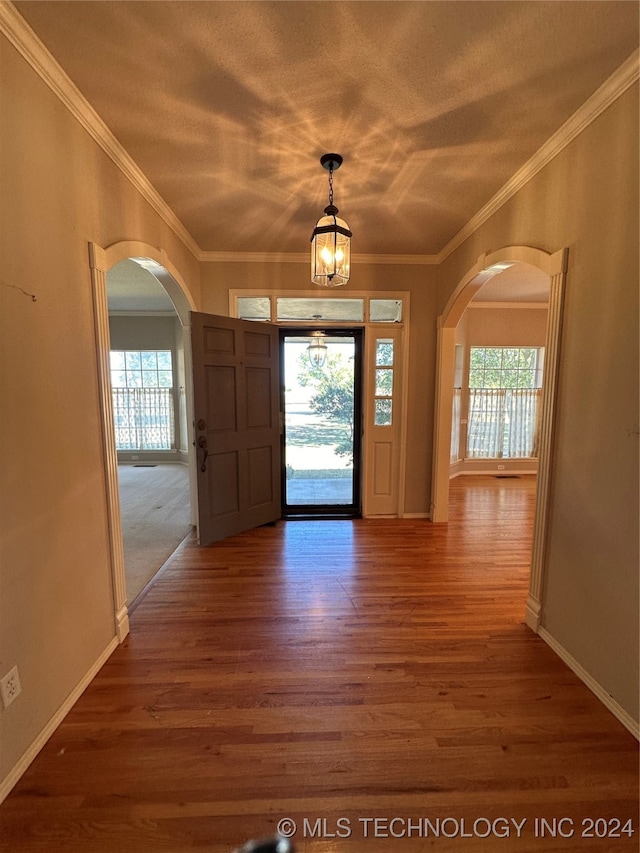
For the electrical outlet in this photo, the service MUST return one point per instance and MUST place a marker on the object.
(500, 467)
(10, 687)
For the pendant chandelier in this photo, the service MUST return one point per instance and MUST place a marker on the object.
(317, 350)
(331, 238)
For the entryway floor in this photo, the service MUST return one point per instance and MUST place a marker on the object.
(302, 675)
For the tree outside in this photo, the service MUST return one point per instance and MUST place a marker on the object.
(331, 398)
(319, 405)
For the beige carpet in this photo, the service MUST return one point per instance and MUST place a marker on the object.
(156, 516)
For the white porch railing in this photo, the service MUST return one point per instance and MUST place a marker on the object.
(144, 418)
(503, 423)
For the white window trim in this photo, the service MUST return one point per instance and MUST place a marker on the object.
(324, 293)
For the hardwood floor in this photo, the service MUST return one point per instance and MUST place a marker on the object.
(333, 672)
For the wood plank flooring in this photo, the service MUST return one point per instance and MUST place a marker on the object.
(338, 673)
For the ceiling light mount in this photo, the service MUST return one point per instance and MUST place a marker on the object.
(331, 238)
(331, 161)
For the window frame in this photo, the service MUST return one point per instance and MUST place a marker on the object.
(507, 390)
(164, 395)
(141, 370)
(401, 297)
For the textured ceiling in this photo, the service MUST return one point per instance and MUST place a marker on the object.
(227, 106)
(518, 283)
(132, 288)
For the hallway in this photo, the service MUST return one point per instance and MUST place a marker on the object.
(340, 670)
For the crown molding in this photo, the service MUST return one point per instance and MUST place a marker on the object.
(24, 39)
(509, 305)
(421, 260)
(303, 258)
(145, 313)
(255, 257)
(613, 87)
(27, 43)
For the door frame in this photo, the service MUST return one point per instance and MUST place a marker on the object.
(357, 332)
(156, 261)
(488, 265)
(400, 330)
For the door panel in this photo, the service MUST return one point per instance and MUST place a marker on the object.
(236, 402)
(260, 463)
(224, 469)
(259, 399)
(382, 469)
(222, 386)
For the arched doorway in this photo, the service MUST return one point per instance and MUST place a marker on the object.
(554, 265)
(158, 264)
(148, 384)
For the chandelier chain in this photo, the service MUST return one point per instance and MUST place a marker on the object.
(331, 185)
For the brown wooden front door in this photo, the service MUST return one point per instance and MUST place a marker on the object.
(237, 433)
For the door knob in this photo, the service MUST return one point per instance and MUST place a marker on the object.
(202, 444)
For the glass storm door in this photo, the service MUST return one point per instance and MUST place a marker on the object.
(322, 422)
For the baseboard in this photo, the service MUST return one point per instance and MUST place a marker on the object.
(532, 613)
(495, 472)
(23, 763)
(380, 515)
(408, 515)
(607, 700)
(122, 623)
(455, 469)
(152, 460)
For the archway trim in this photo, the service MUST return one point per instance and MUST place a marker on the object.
(100, 261)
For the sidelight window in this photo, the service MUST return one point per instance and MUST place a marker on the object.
(383, 391)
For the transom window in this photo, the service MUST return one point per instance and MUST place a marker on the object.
(503, 367)
(141, 369)
(356, 309)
